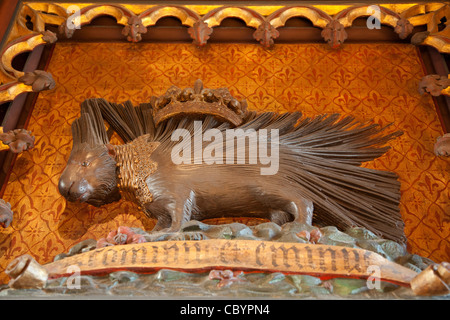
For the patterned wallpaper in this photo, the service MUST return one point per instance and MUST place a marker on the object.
(372, 82)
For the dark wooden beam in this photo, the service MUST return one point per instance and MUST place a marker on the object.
(15, 110)
(435, 63)
(8, 10)
(20, 110)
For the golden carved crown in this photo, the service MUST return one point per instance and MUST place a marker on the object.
(199, 101)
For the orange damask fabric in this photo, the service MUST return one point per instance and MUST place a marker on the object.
(372, 82)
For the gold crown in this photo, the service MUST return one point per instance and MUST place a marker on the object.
(199, 101)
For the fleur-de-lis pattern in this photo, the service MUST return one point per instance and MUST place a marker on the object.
(372, 82)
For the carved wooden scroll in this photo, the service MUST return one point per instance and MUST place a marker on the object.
(323, 261)
(198, 256)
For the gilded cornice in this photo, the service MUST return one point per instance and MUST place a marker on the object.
(201, 19)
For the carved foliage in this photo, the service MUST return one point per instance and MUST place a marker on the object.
(200, 32)
(433, 84)
(18, 140)
(6, 214)
(123, 235)
(225, 277)
(66, 30)
(403, 28)
(134, 29)
(39, 80)
(265, 34)
(442, 145)
(49, 37)
(334, 33)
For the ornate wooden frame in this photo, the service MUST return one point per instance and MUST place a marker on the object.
(35, 22)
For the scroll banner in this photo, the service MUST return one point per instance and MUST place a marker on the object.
(247, 255)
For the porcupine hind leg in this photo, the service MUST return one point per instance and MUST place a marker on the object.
(280, 217)
(161, 225)
(299, 211)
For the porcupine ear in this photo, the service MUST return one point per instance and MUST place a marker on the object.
(111, 150)
(86, 131)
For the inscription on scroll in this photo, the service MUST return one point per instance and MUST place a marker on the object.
(235, 254)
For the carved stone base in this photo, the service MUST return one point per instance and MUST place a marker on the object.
(286, 261)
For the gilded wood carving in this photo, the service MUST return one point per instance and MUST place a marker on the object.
(201, 20)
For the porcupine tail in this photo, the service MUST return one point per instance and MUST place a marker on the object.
(322, 155)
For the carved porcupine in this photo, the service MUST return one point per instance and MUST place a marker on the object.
(319, 179)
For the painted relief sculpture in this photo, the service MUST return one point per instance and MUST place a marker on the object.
(196, 153)
(176, 165)
(318, 177)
